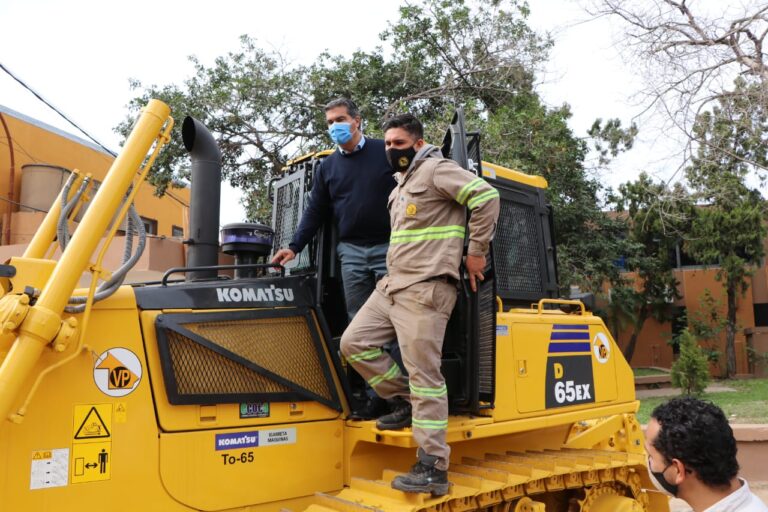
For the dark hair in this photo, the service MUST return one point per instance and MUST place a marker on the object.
(408, 122)
(350, 105)
(698, 434)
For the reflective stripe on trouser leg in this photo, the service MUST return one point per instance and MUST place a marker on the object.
(361, 345)
(420, 329)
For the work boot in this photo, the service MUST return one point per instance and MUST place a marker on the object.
(400, 417)
(423, 477)
(372, 408)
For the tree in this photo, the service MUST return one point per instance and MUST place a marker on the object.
(444, 54)
(658, 217)
(689, 53)
(262, 109)
(690, 371)
(707, 323)
(257, 107)
(485, 53)
(728, 229)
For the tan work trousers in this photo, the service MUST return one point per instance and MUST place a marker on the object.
(417, 315)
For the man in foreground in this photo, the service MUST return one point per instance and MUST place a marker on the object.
(692, 456)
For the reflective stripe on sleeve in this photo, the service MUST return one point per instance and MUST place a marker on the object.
(365, 356)
(433, 233)
(393, 372)
(430, 424)
(466, 189)
(482, 198)
(431, 392)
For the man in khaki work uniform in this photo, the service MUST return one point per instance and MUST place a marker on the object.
(427, 209)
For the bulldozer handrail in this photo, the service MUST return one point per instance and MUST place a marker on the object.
(542, 302)
(184, 270)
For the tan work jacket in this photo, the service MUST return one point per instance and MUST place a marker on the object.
(428, 214)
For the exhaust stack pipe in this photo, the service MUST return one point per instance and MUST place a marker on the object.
(205, 198)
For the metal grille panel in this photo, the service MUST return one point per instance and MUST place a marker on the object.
(282, 346)
(201, 371)
(238, 356)
(517, 256)
(287, 210)
(487, 341)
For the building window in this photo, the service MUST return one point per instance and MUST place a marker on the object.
(150, 225)
(177, 232)
(761, 315)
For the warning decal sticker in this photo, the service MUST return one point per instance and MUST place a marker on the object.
(49, 468)
(91, 443)
(91, 462)
(92, 421)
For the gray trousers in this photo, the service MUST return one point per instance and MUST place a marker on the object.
(417, 316)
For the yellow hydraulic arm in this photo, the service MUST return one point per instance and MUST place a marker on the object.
(43, 320)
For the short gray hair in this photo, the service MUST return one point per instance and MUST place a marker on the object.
(350, 105)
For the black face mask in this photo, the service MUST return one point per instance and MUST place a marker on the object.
(660, 482)
(400, 159)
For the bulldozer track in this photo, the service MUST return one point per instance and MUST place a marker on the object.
(506, 482)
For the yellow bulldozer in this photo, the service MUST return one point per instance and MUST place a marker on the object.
(211, 392)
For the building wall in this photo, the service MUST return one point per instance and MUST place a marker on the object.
(652, 348)
(35, 142)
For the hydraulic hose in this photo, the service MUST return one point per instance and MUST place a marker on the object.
(106, 289)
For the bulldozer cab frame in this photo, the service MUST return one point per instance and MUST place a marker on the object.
(521, 268)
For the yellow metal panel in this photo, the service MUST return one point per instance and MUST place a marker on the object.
(530, 360)
(201, 476)
(30, 272)
(302, 158)
(498, 172)
(605, 352)
(49, 426)
(530, 352)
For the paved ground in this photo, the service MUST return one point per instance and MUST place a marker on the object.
(759, 488)
(648, 393)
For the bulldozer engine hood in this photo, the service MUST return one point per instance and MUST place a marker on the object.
(275, 292)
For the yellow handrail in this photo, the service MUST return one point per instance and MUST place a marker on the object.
(542, 302)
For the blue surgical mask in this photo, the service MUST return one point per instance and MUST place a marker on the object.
(340, 133)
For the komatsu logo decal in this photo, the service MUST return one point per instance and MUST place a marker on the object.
(235, 441)
(271, 294)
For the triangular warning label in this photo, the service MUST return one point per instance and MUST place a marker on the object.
(93, 427)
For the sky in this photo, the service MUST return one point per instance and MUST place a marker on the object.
(80, 54)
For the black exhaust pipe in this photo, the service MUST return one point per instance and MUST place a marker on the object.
(205, 199)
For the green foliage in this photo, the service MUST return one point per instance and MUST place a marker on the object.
(729, 228)
(264, 110)
(482, 55)
(610, 138)
(707, 325)
(527, 136)
(690, 372)
(657, 217)
(440, 54)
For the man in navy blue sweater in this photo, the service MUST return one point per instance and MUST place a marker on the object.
(351, 186)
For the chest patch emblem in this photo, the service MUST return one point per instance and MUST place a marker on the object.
(410, 210)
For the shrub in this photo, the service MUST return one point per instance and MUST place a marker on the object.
(691, 370)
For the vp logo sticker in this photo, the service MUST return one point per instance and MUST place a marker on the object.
(602, 348)
(117, 372)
